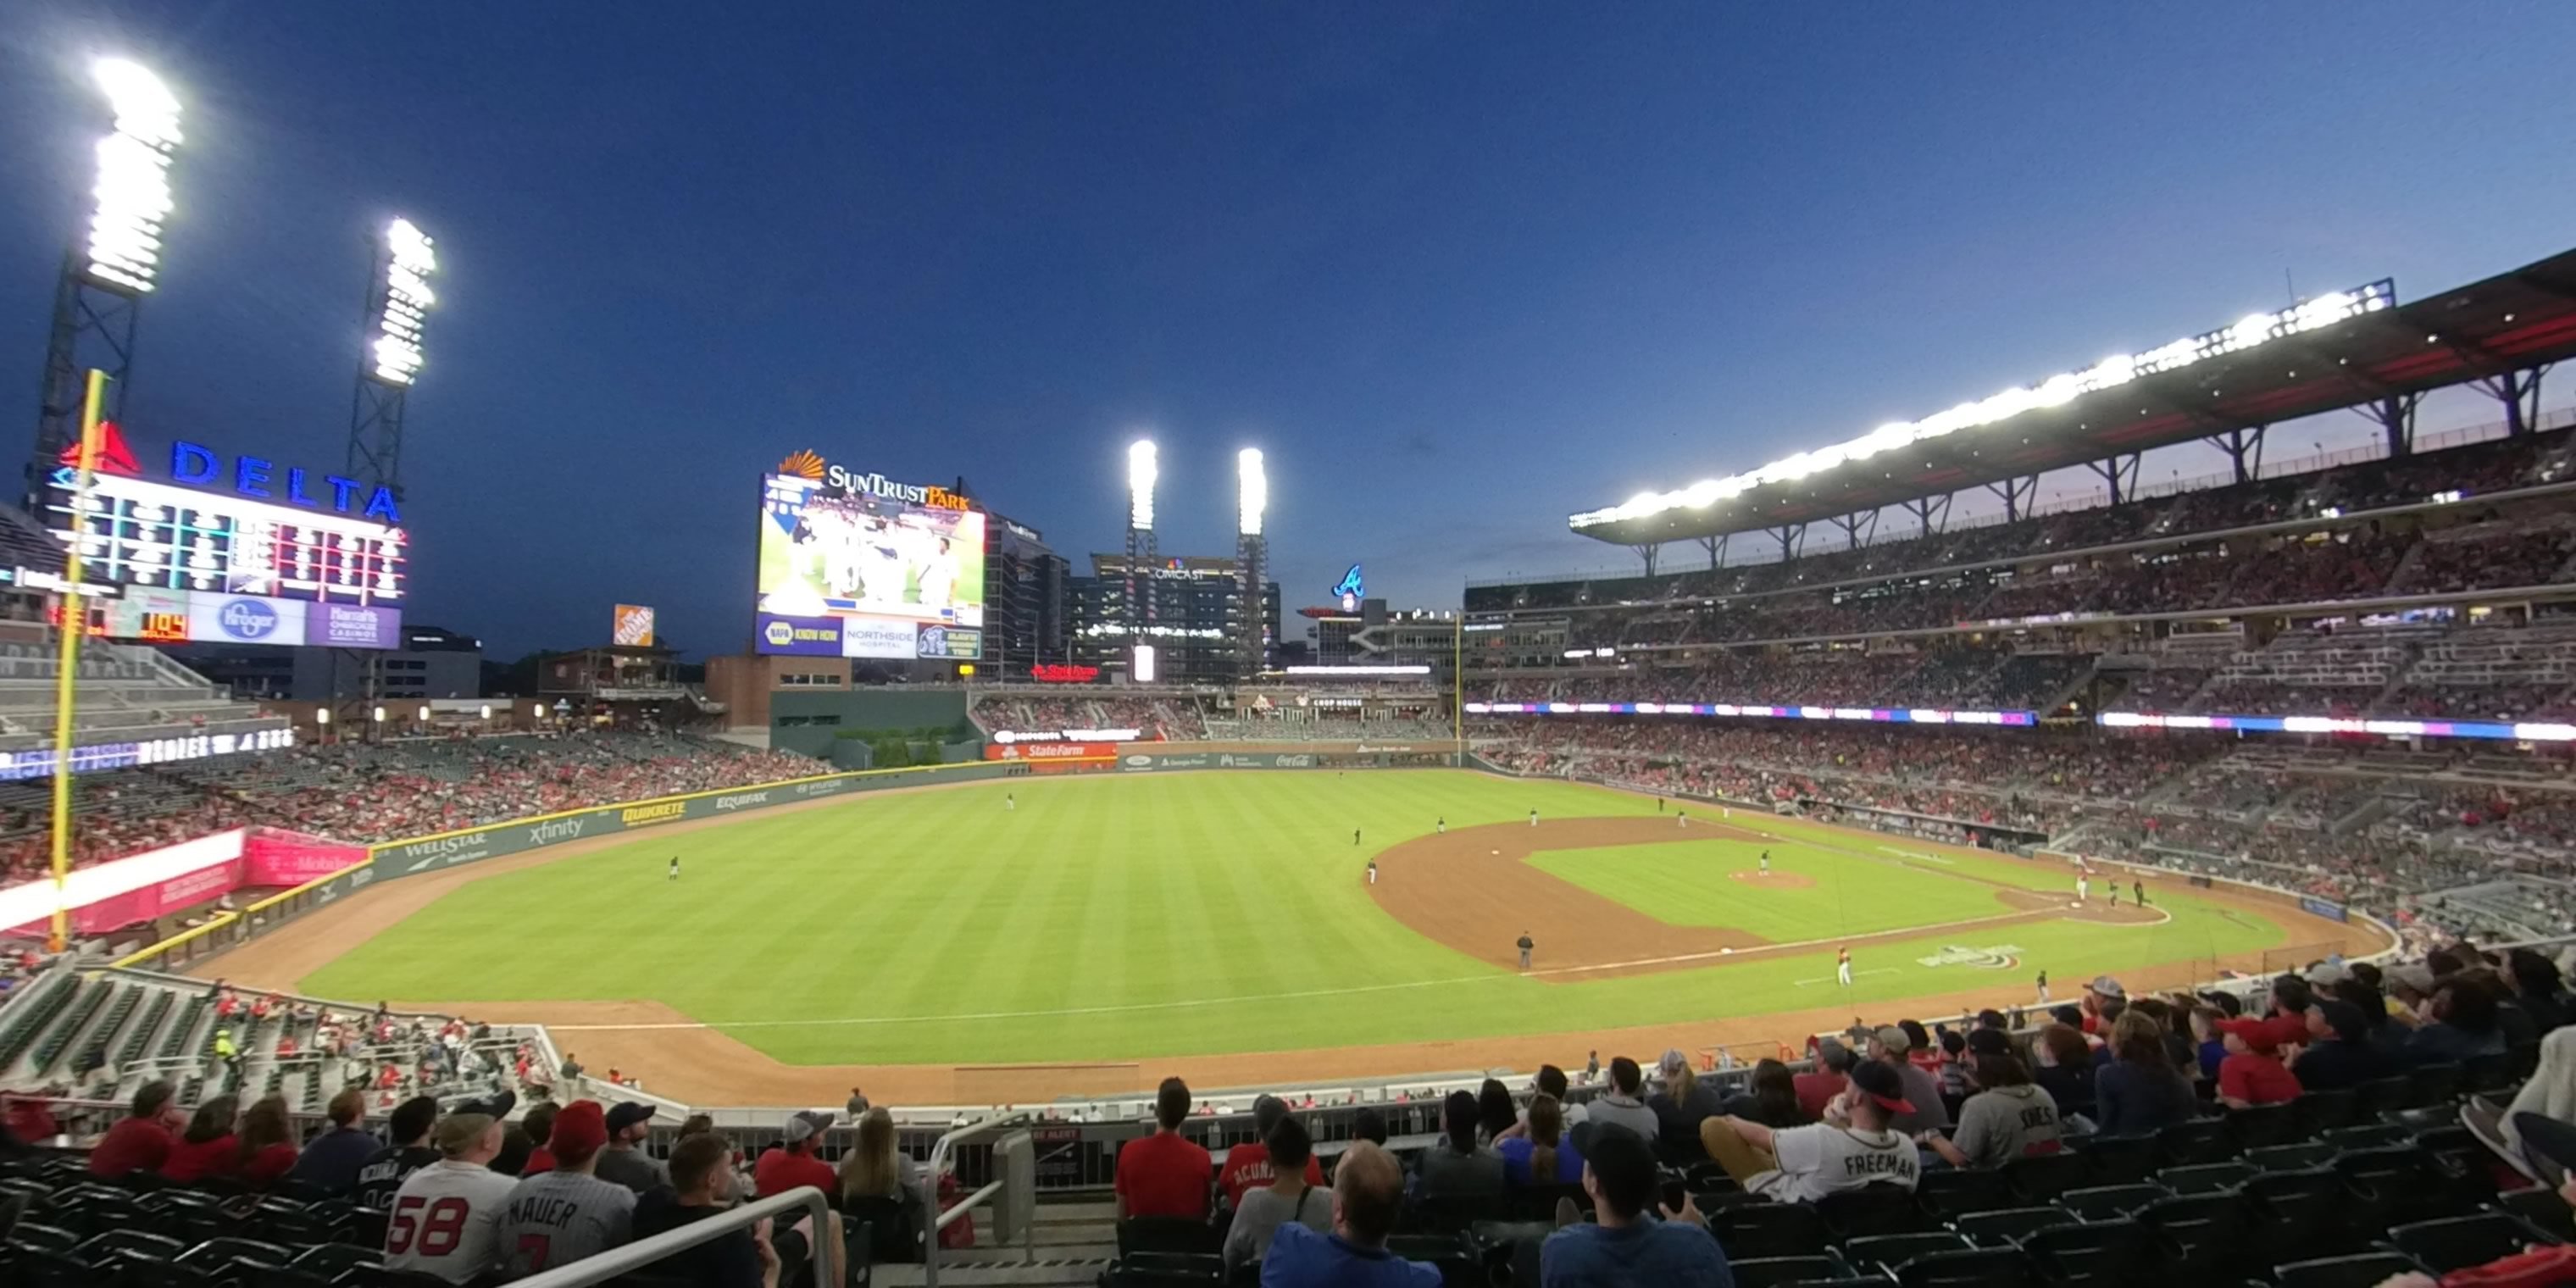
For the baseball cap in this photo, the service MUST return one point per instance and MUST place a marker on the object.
(627, 1114)
(1880, 1083)
(800, 1125)
(1989, 1042)
(580, 1129)
(1894, 1039)
(496, 1105)
(1673, 1062)
(457, 1133)
(2107, 987)
(2346, 1019)
(2414, 975)
(2256, 1033)
(2329, 973)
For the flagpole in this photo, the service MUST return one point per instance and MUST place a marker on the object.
(75, 623)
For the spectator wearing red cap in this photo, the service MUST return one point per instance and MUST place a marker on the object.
(2252, 1074)
(1165, 1174)
(558, 1217)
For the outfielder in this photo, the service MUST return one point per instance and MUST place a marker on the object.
(1842, 965)
(1009, 802)
(675, 869)
(1766, 863)
(1440, 825)
(1533, 818)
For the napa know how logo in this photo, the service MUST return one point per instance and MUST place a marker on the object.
(1995, 957)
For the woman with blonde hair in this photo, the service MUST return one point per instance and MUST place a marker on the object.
(874, 1168)
(1682, 1105)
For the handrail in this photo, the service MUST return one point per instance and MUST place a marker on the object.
(603, 1266)
(930, 1182)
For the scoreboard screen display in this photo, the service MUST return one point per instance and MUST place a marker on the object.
(148, 536)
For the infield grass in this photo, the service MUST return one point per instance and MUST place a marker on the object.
(1127, 917)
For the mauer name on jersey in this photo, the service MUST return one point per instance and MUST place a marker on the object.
(538, 1209)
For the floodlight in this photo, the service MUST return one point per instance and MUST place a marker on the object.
(403, 305)
(380, 715)
(1253, 488)
(2056, 391)
(322, 715)
(1142, 669)
(1141, 473)
(133, 190)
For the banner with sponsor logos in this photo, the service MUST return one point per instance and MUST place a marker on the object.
(1134, 761)
(274, 857)
(1049, 750)
(428, 853)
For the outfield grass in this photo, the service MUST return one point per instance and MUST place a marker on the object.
(1136, 916)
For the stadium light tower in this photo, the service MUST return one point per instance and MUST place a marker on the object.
(398, 303)
(1251, 554)
(105, 277)
(1142, 471)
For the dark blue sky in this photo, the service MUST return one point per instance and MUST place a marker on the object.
(1460, 270)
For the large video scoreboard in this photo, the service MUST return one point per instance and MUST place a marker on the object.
(858, 565)
(274, 557)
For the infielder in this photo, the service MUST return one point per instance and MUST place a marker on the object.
(1766, 863)
(1681, 818)
(2115, 894)
(2083, 888)
(1525, 945)
(1533, 818)
(1842, 965)
(1440, 825)
(2138, 893)
(1372, 872)
(2043, 987)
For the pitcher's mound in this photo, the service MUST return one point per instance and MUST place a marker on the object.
(1775, 880)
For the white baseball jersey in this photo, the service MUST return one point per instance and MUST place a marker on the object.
(1822, 1159)
(443, 1218)
(558, 1218)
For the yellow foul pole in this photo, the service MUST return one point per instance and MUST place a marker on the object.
(75, 622)
(1458, 682)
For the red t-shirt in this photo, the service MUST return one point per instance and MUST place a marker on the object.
(1247, 1168)
(1815, 1090)
(132, 1145)
(199, 1160)
(540, 1160)
(268, 1164)
(1164, 1175)
(2256, 1079)
(779, 1171)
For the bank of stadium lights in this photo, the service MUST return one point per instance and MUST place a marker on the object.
(1252, 488)
(133, 189)
(2112, 372)
(410, 258)
(1141, 473)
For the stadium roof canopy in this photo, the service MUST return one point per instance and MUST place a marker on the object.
(2348, 349)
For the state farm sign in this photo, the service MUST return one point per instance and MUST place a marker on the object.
(1049, 750)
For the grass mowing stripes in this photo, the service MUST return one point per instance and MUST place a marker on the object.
(1201, 913)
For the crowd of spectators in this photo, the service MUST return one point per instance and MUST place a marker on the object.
(363, 793)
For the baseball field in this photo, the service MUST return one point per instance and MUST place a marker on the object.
(1099, 929)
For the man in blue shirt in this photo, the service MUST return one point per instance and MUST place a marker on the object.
(1368, 1191)
(1629, 1248)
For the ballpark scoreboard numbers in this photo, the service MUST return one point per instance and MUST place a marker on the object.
(142, 534)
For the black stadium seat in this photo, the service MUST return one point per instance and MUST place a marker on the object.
(2104, 1202)
(2366, 1270)
(2116, 1251)
(2307, 1213)
(2120, 1160)
(2010, 1225)
(1888, 1251)
(2262, 1125)
(1951, 1192)
(2205, 1178)
(2207, 1231)
(1769, 1230)
(1872, 1210)
(2322, 1111)
(1968, 1268)
(2201, 1140)
(2457, 1243)
(2041, 1178)
(1778, 1272)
